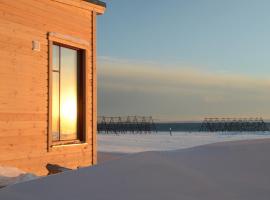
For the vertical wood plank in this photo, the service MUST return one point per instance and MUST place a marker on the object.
(94, 90)
(86, 102)
(49, 135)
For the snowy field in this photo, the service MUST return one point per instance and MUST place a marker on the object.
(132, 143)
(223, 171)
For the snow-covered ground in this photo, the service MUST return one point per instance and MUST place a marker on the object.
(12, 175)
(223, 171)
(132, 143)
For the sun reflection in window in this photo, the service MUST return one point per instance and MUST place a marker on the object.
(64, 100)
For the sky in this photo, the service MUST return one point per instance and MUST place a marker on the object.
(184, 60)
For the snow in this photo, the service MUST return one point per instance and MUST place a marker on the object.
(222, 171)
(12, 175)
(133, 143)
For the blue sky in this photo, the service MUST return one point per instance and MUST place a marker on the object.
(216, 38)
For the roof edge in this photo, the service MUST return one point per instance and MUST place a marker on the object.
(97, 2)
(93, 5)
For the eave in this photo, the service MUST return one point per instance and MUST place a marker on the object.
(91, 5)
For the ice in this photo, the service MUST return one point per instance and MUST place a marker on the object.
(132, 143)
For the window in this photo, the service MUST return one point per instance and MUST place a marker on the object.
(67, 110)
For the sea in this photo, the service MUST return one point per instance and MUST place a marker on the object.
(178, 126)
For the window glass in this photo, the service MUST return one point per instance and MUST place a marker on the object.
(68, 94)
(55, 107)
(56, 52)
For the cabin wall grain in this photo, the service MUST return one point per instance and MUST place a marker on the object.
(24, 83)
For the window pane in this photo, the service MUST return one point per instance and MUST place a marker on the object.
(56, 57)
(68, 94)
(55, 106)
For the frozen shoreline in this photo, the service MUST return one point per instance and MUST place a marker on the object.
(134, 143)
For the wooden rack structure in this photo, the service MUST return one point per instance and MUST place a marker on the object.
(123, 125)
(233, 125)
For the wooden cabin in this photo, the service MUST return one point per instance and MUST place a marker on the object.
(48, 83)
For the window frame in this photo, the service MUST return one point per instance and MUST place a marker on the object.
(82, 47)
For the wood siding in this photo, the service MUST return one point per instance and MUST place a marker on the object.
(24, 83)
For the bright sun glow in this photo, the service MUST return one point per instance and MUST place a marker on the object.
(68, 114)
(69, 110)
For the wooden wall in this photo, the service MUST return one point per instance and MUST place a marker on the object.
(24, 83)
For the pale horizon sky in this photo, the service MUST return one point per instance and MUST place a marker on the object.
(184, 60)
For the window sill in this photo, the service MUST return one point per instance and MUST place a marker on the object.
(66, 142)
(73, 143)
